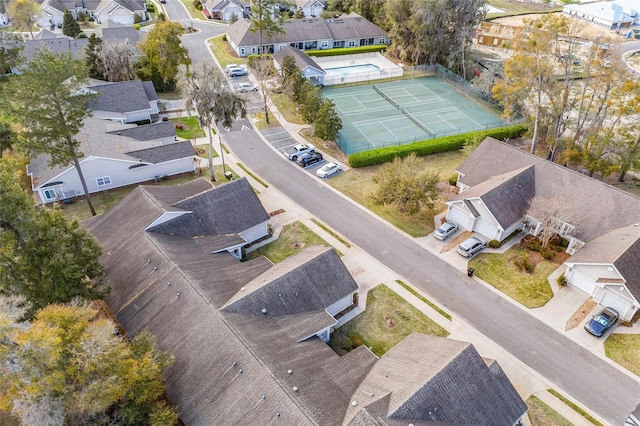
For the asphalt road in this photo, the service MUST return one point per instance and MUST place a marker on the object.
(572, 369)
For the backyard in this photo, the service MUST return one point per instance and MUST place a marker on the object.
(387, 320)
(293, 238)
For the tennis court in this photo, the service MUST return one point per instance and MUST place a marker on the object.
(406, 111)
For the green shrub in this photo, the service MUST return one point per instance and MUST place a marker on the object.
(453, 180)
(355, 340)
(534, 246)
(431, 146)
(346, 50)
(562, 280)
(564, 243)
(548, 254)
(346, 344)
(224, 37)
(523, 264)
(136, 27)
(494, 244)
(151, 7)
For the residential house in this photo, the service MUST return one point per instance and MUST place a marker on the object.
(495, 34)
(113, 32)
(309, 68)
(308, 34)
(114, 155)
(608, 14)
(131, 101)
(310, 8)
(249, 337)
(497, 183)
(121, 11)
(226, 10)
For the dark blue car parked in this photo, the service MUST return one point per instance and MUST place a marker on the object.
(602, 322)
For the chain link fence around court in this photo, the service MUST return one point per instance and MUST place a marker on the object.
(427, 114)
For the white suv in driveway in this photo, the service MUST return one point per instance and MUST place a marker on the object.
(237, 72)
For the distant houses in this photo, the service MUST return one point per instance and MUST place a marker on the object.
(610, 15)
(121, 11)
(308, 34)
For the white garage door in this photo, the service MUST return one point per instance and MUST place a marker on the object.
(485, 229)
(615, 301)
(458, 216)
(584, 283)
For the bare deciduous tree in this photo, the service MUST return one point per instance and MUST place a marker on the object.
(116, 61)
(553, 216)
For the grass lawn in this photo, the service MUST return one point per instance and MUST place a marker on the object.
(532, 290)
(224, 53)
(357, 184)
(623, 349)
(190, 128)
(195, 13)
(387, 320)
(541, 414)
(287, 108)
(203, 151)
(293, 238)
(172, 95)
(516, 7)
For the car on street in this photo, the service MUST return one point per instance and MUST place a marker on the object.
(297, 150)
(445, 230)
(247, 87)
(602, 321)
(328, 170)
(308, 159)
(471, 246)
(237, 72)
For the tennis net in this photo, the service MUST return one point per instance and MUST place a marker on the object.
(384, 95)
(418, 123)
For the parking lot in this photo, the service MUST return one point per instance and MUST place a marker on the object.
(280, 139)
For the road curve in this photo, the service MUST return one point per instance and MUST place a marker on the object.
(574, 370)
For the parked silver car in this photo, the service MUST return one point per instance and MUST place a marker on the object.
(471, 246)
(446, 230)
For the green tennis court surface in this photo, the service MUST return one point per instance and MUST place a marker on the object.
(406, 111)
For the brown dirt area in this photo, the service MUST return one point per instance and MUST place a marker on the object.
(581, 314)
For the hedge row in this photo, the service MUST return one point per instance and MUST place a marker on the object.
(346, 50)
(431, 146)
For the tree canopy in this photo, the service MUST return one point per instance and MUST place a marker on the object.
(163, 54)
(44, 257)
(406, 184)
(50, 101)
(21, 13)
(267, 19)
(70, 26)
(69, 366)
(206, 90)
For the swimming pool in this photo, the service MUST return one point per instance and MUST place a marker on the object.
(352, 69)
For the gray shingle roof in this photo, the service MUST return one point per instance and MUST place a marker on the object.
(302, 59)
(298, 30)
(428, 379)
(228, 209)
(591, 200)
(163, 153)
(205, 380)
(125, 96)
(160, 130)
(309, 281)
(55, 45)
(507, 196)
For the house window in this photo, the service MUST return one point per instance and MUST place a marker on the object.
(351, 43)
(324, 44)
(50, 194)
(102, 181)
(382, 40)
(242, 52)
